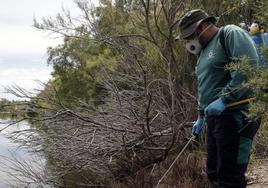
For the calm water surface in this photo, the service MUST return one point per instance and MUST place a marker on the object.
(11, 152)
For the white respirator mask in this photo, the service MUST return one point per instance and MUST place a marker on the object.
(193, 45)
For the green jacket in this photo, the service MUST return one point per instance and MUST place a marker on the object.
(214, 80)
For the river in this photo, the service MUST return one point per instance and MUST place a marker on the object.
(14, 159)
(20, 167)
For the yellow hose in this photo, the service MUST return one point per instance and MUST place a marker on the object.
(240, 102)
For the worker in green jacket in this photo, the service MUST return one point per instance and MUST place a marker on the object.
(229, 132)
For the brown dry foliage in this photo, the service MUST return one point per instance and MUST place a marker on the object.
(188, 172)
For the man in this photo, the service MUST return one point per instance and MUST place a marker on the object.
(260, 37)
(229, 133)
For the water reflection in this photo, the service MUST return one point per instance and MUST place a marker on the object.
(6, 145)
(17, 163)
(13, 158)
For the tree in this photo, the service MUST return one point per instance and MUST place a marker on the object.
(123, 52)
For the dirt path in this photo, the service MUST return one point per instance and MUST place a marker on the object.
(258, 175)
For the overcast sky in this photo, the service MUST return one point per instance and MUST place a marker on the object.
(22, 47)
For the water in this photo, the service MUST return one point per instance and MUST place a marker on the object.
(17, 164)
(13, 159)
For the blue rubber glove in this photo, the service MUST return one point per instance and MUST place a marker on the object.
(197, 127)
(215, 108)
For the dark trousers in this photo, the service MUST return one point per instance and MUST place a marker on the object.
(229, 139)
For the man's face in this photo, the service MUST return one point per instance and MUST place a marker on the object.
(192, 44)
(198, 40)
(254, 28)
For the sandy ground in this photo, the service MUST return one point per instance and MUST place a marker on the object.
(258, 175)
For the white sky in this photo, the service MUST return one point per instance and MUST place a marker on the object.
(23, 47)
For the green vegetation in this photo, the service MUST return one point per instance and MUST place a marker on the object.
(123, 90)
(13, 109)
(258, 82)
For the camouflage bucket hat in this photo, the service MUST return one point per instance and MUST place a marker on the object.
(191, 20)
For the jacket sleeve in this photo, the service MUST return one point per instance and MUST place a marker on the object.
(238, 45)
